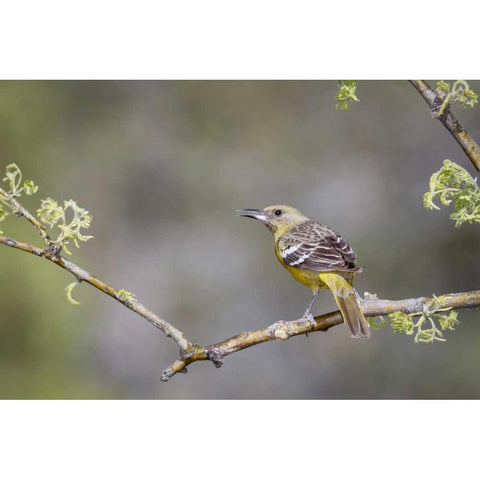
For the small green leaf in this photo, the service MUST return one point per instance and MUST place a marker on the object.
(70, 232)
(346, 94)
(50, 212)
(426, 327)
(376, 322)
(13, 177)
(126, 296)
(448, 321)
(463, 94)
(442, 86)
(3, 213)
(401, 323)
(54, 214)
(460, 93)
(452, 184)
(68, 292)
(30, 187)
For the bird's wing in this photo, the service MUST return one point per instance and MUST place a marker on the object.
(313, 246)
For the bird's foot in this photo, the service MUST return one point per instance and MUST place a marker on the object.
(308, 316)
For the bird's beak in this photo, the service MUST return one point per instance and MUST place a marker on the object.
(252, 213)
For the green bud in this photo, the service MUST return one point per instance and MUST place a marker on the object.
(401, 323)
(346, 94)
(30, 187)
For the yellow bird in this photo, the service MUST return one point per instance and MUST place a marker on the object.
(317, 257)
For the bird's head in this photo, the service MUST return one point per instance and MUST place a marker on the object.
(277, 218)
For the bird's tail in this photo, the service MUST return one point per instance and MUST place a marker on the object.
(344, 294)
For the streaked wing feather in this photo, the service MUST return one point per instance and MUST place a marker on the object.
(313, 246)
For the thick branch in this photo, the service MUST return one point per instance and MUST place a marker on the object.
(449, 121)
(371, 307)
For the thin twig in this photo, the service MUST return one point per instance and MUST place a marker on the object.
(22, 212)
(449, 121)
(187, 348)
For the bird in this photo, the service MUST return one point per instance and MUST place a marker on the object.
(317, 257)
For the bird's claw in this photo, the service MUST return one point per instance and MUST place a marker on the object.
(309, 317)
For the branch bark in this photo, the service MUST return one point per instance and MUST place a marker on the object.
(449, 121)
(283, 330)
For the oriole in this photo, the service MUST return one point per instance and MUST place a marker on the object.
(317, 257)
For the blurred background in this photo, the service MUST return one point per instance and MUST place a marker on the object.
(162, 166)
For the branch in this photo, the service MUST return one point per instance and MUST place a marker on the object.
(191, 352)
(449, 121)
(187, 348)
(282, 330)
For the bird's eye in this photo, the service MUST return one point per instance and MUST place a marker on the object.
(278, 213)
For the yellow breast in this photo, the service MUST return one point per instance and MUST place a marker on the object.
(306, 277)
(311, 278)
